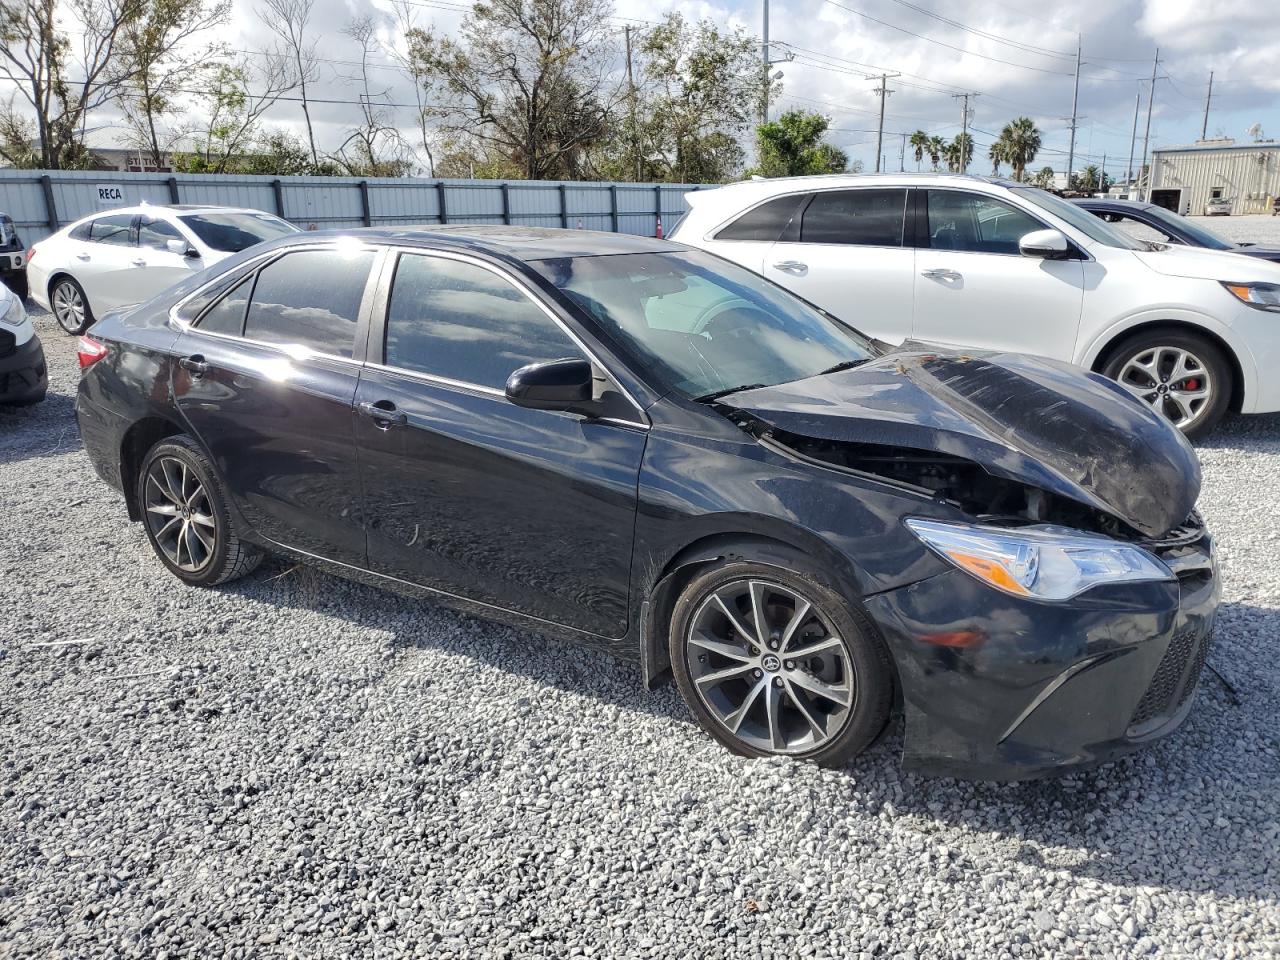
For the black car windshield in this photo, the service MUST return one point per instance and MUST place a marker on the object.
(233, 232)
(702, 324)
(1201, 235)
(1081, 219)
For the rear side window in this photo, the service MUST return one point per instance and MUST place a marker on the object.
(116, 230)
(81, 232)
(765, 222)
(859, 217)
(310, 299)
(227, 315)
(975, 223)
(460, 321)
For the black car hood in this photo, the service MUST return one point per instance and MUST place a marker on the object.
(1032, 420)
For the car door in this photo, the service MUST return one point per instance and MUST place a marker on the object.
(266, 379)
(845, 253)
(106, 262)
(160, 267)
(975, 289)
(527, 510)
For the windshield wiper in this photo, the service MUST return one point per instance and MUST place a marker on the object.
(717, 394)
(844, 365)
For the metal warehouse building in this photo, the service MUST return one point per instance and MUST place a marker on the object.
(1184, 179)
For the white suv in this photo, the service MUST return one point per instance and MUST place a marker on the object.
(996, 265)
(130, 254)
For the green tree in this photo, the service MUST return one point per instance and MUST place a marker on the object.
(235, 98)
(920, 145)
(1044, 178)
(937, 149)
(963, 151)
(1020, 141)
(792, 146)
(995, 153)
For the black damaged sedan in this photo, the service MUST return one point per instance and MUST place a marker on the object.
(644, 448)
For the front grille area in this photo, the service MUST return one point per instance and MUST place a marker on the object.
(1175, 678)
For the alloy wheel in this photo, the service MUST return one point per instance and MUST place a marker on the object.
(179, 514)
(769, 667)
(68, 306)
(1173, 380)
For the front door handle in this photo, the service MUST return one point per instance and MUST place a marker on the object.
(82, 256)
(383, 413)
(794, 267)
(196, 364)
(940, 273)
(139, 262)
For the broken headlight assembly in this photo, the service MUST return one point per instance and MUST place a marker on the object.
(1261, 296)
(1039, 563)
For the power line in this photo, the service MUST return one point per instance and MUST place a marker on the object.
(1018, 44)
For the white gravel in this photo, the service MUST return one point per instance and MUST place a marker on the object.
(296, 766)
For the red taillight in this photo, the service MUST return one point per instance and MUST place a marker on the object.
(90, 351)
(31, 252)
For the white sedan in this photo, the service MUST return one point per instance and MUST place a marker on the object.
(128, 255)
(995, 265)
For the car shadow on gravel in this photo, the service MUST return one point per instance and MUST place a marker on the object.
(43, 429)
(1082, 823)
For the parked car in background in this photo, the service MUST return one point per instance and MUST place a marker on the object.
(1147, 221)
(638, 446)
(1218, 207)
(130, 254)
(969, 261)
(13, 261)
(24, 378)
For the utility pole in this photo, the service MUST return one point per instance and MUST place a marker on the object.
(1133, 142)
(883, 92)
(1102, 177)
(631, 97)
(764, 62)
(1146, 137)
(964, 128)
(1204, 128)
(902, 155)
(1075, 103)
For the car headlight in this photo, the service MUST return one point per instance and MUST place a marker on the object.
(14, 313)
(1037, 562)
(1263, 296)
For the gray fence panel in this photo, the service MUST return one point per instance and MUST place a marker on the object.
(324, 203)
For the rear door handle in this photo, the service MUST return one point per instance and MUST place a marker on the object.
(940, 274)
(139, 262)
(383, 413)
(794, 267)
(196, 364)
(82, 256)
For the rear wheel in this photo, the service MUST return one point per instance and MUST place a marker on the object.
(70, 306)
(773, 662)
(185, 515)
(1183, 376)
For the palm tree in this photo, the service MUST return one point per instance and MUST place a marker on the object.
(1089, 179)
(936, 147)
(964, 151)
(995, 153)
(951, 153)
(1020, 142)
(920, 143)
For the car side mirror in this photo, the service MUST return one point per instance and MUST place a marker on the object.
(566, 385)
(182, 248)
(1045, 244)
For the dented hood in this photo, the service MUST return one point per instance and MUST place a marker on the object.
(1035, 421)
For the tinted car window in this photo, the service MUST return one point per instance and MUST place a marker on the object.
(976, 223)
(765, 222)
(233, 232)
(157, 233)
(457, 320)
(310, 298)
(227, 315)
(116, 230)
(862, 217)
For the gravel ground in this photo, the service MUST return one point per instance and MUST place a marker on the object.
(297, 766)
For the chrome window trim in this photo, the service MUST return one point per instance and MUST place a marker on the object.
(533, 296)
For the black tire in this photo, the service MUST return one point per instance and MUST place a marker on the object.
(67, 289)
(865, 672)
(229, 557)
(1210, 360)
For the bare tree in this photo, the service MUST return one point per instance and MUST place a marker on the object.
(61, 81)
(374, 148)
(236, 98)
(406, 24)
(289, 20)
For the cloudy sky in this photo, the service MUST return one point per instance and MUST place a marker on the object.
(1017, 55)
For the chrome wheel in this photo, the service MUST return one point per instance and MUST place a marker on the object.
(68, 306)
(179, 514)
(769, 667)
(1173, 380)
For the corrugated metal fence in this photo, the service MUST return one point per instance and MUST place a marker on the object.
(41, 201)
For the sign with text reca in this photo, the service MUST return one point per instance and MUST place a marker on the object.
(110, 195)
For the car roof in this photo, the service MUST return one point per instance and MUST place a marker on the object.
(512, 242)
(1108, 202)
(828, 180)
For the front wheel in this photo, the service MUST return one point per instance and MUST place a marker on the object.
(1183, 376)
(773, 662)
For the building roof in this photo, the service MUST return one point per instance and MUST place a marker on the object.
(1221, 145)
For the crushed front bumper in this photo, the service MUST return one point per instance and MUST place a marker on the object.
(999, 688)
(24, 376)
